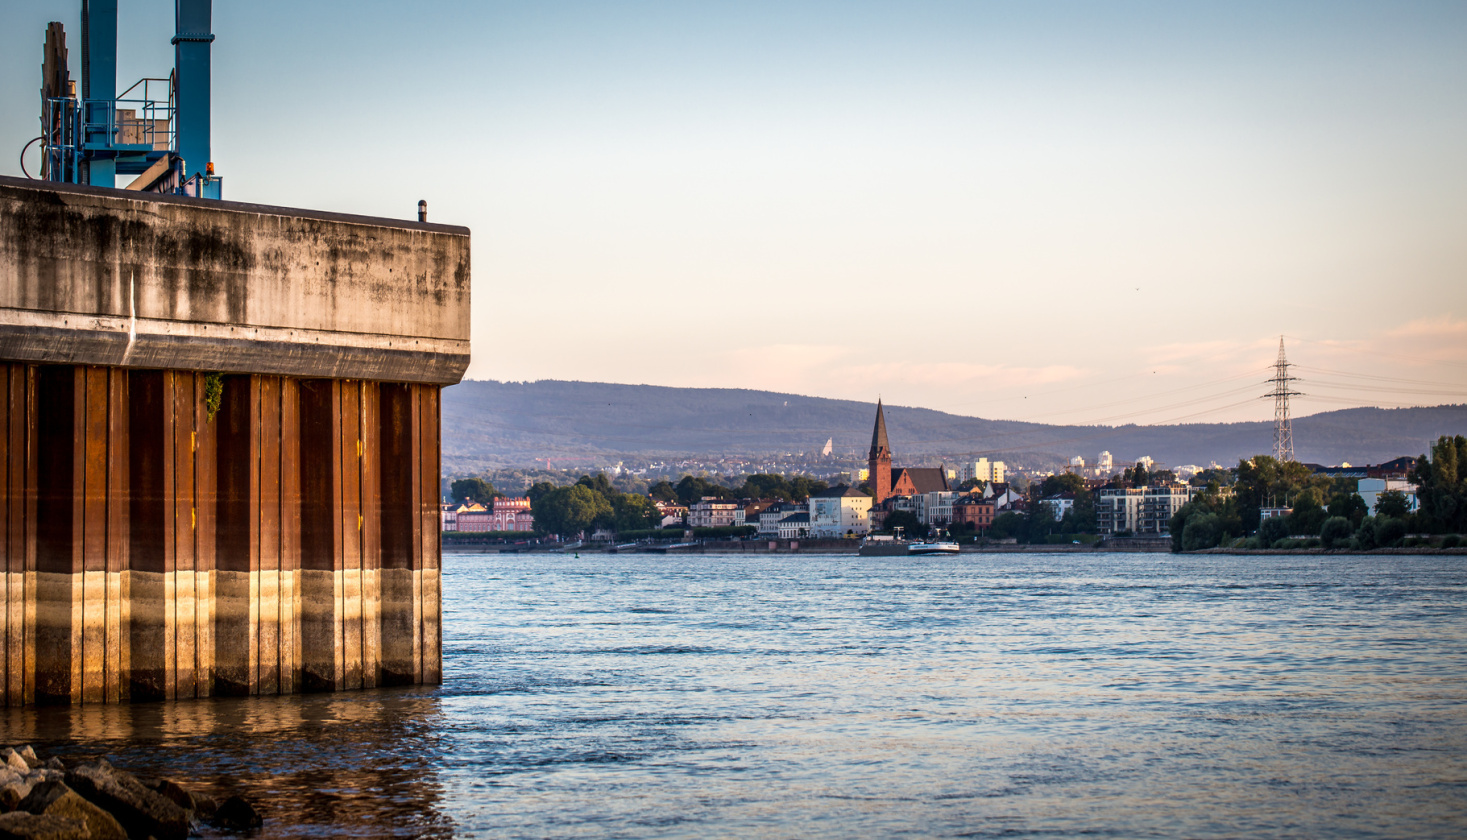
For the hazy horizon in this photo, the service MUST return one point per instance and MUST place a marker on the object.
(889, 403)
(1059, 212)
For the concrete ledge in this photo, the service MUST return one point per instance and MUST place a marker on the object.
(111, 277)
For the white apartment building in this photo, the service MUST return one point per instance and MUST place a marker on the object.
(1369, 489)
(935, 508)
(1118, 509)
(1105, 463)
(839, 512)
(709, 512)
(983, 470)
(1158, 503)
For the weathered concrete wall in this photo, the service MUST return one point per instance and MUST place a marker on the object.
(107, 277)
(290, 543)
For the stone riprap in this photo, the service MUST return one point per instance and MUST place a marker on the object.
(96, 801)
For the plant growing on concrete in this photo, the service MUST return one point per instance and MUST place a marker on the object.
(213, 394)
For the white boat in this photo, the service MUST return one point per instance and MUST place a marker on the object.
(933, 547)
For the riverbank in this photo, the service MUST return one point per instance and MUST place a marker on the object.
(799, 546)
(835, 547)
(1343, 552)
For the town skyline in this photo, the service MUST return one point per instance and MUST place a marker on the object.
(1083, 214)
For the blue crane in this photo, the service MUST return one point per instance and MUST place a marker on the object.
(157, 130)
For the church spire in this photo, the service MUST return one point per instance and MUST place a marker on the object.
(879, 443)
(879, 474)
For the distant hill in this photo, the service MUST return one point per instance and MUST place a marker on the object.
(489, 424)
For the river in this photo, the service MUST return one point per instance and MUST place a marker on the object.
(1012, 695)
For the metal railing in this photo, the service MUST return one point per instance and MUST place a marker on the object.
(71, 127)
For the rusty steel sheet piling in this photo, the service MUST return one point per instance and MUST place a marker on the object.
(219, 452)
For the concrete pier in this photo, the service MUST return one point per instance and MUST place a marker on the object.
(219, 449)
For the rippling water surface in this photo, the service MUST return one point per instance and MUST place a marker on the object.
(984, 695)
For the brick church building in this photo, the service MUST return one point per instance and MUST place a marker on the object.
(886, 482)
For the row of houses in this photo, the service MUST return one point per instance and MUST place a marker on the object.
(841, 511)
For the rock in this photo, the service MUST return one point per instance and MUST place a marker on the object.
(55, 799)
(141, 811)
(12, 794)
(54, 763)
(8, 775)
(236, 814)
(201, 804)
(173, 791)
(14, 761)
(206, 806)
(19, 825)
(29, 755)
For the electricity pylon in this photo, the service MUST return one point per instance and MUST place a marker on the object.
(1283, 430)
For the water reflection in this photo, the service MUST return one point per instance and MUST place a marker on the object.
(834, 697)
(352, 764)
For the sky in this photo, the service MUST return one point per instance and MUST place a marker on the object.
(1058, 212)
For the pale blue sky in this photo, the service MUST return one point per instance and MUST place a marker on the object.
(1049, 211)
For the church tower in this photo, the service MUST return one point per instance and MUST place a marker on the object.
(880, 463)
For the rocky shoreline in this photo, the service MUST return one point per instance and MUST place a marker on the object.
(92, 800)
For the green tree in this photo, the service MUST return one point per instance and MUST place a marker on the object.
(802, 487)
(567, 511)
(1389, 531)
(1201, 531)
(1365, 533)
(601, 484)
(1039, 522)
(1309, 514)
(1221, 476)
(1272, 530)
(1349, 506)
(1082, 515)
(1006, 525)
(767, 486)
(971, 485)
(1062, 483)
(538, 491)
(663, 491)
(1335, 532)
(634, 512)
(692, 488)
(1264, 482)
(1392, 503)
(1441, 485)
(911, 526)
(473, 489)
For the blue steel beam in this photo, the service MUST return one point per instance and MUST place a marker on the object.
(99, 84)
(191, 62)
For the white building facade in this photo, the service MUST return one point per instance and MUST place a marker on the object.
(840, 512)
(1369, 489)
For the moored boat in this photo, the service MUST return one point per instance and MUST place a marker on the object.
(878, 545)
(933, 547)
